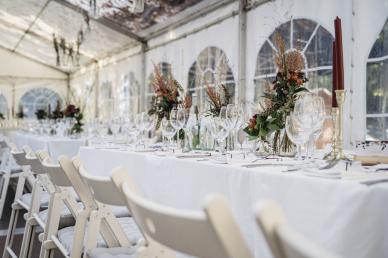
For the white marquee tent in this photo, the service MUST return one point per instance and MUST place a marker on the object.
(191, 38)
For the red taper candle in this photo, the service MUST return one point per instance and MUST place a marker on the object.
(335, 77)
(339, 55)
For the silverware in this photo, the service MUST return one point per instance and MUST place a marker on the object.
(199, 155)
(381, 169)
(374, 181)
(265, 165)
(330, 165)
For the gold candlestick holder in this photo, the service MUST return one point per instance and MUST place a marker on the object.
(340, 96)
(337, 114)
(334, 117)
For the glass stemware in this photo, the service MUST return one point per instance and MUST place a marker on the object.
(311, 107)
(298, 131)
(219, 129)
(168, 130)
(178, 120)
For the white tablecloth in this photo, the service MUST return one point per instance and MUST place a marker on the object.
(55, 146)
(346, 217)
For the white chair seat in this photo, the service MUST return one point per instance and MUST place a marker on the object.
(120, 211)
(66, 235)
(44, 199)
(16, 169)
(116, 252)
(67, 218)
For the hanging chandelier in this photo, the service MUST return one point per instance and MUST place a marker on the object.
(67, 52)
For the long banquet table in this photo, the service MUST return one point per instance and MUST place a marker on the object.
(54, 145)
(346, 217)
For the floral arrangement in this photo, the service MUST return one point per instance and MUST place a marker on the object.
(72, 111)
(57, 113)
(20, 113)
(167, 95)
(218, 97)
(279, 99)
(41, 114)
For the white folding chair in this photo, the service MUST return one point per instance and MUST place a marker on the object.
(70, 241)
(30, 201)
(63, 204)
(8, 170)
(43, 168)
(123, 231)
(210, 233)
(283, 241)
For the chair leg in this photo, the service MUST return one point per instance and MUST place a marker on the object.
(31, 243)
(6, 178)
(11, 231)
(27, 241)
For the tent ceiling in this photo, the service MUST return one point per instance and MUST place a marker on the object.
(155, 11)
(27, 26)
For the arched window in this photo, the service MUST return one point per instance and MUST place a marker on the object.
(106, 100)
(315, 43)
(165, 68)
(377, 88)
(129, 94)
(38, 98)
(210, 68)
(3, 106)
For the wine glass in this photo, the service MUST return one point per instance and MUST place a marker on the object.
(219, 130)
(168, 130)
(177, 117)
(311, 107)
(297, 133)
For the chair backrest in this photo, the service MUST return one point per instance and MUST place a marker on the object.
(70, 168)
(35, 162)
(103, 189)
(56, 174)
(3, 144)
(283, 241)
(207, 234)
(20, 157)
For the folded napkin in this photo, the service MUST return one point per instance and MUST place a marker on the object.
(193, 155)
(371, 159)
(365, 177)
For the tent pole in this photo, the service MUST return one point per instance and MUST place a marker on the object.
(143, 84)
(242, 45)
(96, 90)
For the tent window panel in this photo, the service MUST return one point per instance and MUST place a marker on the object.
(210, 68)
(38, 98)
(265, 63)
(319, 52)
(285, 31)
(319, 80)
(260, 85)
(129, 94)
(377, 128)
(315, 43)
(302, 31)
(380, 47)
(377, 88)
(3, 106)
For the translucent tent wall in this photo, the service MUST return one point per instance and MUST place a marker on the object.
(115, 80)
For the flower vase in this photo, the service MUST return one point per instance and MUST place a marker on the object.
(281, 144)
